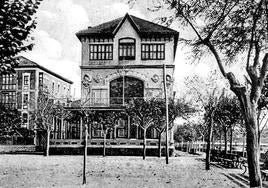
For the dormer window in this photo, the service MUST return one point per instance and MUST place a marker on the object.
(127, 49)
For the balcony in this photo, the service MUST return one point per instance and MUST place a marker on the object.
(107, 102)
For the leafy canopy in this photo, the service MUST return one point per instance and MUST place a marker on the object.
(16, 24)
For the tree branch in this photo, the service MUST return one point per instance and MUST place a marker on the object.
(255, 19)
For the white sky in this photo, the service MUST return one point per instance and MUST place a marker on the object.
(57, 47)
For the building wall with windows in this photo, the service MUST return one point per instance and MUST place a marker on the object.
(122, 59)
(20, 90)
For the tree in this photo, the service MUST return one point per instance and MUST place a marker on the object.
(179, 108)
(210, 109)
(229, 30)
(228, 115)
(80, 111)
(48, 107)
(10, 120)
(143, 113)
(107, 120)
(16, 24)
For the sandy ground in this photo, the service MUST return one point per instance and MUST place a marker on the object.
(112, 171)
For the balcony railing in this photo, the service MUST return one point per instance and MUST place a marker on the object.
(106, 102)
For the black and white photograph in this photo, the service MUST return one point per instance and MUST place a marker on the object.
(134, 93)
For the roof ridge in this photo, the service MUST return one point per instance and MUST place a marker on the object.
(152, 23)
(43, 68)
(108, 22)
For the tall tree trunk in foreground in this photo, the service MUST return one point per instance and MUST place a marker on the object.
(208, 151)
(48, 142)
(144, 144)
(253, 145)
(159, 145)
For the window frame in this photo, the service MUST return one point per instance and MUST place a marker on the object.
(5, 97)
(122, 128)
(107, 54)
(25, 104)
(25, 124)
(157, 53)
(120, 58)
(8, 82)
(26, 81)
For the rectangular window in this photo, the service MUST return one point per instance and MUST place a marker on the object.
(100, 97)
(152, 51)
(58, 88)
(8, 99)
(25, 101)
(8, 82)
(122, 128)
(26, 80)
(96, 130)
(53, 87)
(24, 120)
(41, 79)
(100, 52)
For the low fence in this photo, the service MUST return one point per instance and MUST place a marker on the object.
(16, 140)
(237, 148)
(113, 143)
(16, 148)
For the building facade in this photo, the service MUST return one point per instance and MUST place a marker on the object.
(21, 89)
(122, 59)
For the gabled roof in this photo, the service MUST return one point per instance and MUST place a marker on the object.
(143, 27)
(26, 63)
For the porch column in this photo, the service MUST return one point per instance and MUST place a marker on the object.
(54, 128)
(81, 128)
(89, 131)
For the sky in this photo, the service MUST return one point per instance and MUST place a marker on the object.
(57, 47)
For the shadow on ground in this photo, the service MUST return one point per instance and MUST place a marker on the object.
(241, 180)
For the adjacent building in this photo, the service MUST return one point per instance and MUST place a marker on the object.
(21, 89)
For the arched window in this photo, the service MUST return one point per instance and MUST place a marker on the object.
(126, 49)
(124, 89)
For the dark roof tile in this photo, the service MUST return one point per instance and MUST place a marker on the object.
(144, 27)
(26, 63)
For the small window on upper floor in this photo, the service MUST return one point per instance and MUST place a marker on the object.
(152, 51)
(26, 80)
(127, 49)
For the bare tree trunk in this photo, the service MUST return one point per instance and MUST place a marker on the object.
(220, 140)
(159, 145)
(85, 155)
(208, 151)
(225, 140)
(48, 142)
(144, 144)
(104, 144)
(203, 142)
(231, 139)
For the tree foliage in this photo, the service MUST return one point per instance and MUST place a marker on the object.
(10, 120)
(16, 23)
